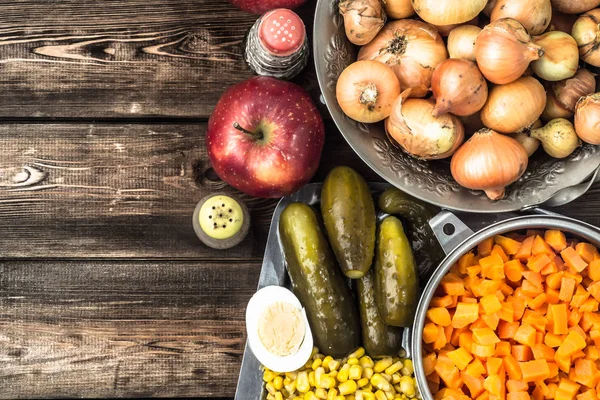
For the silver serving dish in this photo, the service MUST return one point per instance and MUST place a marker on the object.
(430, 181)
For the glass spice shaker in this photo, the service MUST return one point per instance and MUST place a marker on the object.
(277, 45)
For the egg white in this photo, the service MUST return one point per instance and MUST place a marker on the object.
(257, 304)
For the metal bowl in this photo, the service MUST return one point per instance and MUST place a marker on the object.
(430, 181)
(461, 240)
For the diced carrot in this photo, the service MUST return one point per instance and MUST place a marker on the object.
(448, 372)
(552, 296)
(530, 290)
(506, 290)
(536, 370)
(443, 301)
(488, 286)
(507, 330)
(594, 270)
(516, 385)
(507, 312)
(439, 316)
(595, 335)
(553, 340)
(587, 395)
(484, 248)
(586, 373)
(591, 352)
(500, 252)
(588, 320)
(579, 355)
(510, 246)
(534, 277)
(448, 332)
(559, 315)
(503, 349)
(567, 288)
(556, 239)
(525, 250)
(574, 317)
(590, 305)
(518, 306)
(550, 268)
(537, 301)
(522, 353)
(573, 260)
(453, 288)
(538, 262)
(440, 342)
(493, 365)
(455, 338)
(483, 351)
(572, 343)
(525, 335)
(465, 340)
(554, 280)
(553, 369)
(539, 337)
(466, 261)
(569, 387)
(474, 384)
(480, 323)
(580, 296)
(473, 270)
(465, 314)
(467, 299)
(563, 362)
(493, 385)
(542, 351)
(586, 251)
(535, 319)
(537, 394)
(476, 368)
(429, 363)
(594, 290)
(430, 332)
(484, 396)
(578, 277)
(491, 320)
(541, 247)
(460, 357)
(490, 304)
(511, 365)
(518, 396)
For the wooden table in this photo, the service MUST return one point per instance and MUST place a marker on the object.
(105, 291)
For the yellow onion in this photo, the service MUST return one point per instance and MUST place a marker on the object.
(529, 144)
(489, 161)
(586, 32)
(412, 49)
(574, 6)
(448, 12)
(554, 109)
(561, 56)
(461, 42)
(458, 87)
(569, 91)
(558, 138)
(445, 30)
(504, 50)
(413, 127)
(362, 19)
(398, 9)
(514, 106)
(587, 118)
(533, 14)
(561, 22)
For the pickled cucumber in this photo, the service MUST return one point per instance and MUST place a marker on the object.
(396, 282)
(427, 250)
(379, 339)
(318, 282)
(349, 218)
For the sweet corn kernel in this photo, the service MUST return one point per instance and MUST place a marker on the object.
(314, 352)
(278, 382)
(268, 375)
(310, 395)
(358, 353)
(270, 397)
(347, 387)
(407, 386)
(380, 382)
(321, 394)
(332, 394)
(362, 382)
(342, 375)
(396, 378)
(340, 397)
(366, 395)
(326, 361)
(270, 388)
(316, 364)
(408, 368)
(395, 367)
(334, 365)
(352, 361)
(291, 375)
(367, 373)
(311, 378)
(380, 395)
(302, 384)
(333, 374)
(278, 396)
(382, 364)
(386, 376)
(287, 381)
(327, 382)
(319, 373)
(291, 387)
(355, 372)
(389, 395)
(366, 362)
(368, 387)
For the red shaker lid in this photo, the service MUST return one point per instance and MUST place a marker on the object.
(281, 31)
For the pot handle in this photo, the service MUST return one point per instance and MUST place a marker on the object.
(449, 230)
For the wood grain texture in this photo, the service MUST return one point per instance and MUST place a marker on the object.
(120, 58)
(122, 328)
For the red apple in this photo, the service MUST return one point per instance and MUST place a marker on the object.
(265, 137)
(262, 6)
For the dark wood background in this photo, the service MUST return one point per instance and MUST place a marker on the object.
(105, 291)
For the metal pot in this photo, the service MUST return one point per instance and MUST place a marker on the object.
(457, 239)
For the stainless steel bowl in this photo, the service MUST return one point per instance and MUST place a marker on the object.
(429, 181)
(457, 239)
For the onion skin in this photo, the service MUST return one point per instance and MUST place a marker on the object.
(504, 50)
(574, 6)
(558, 138)
(461, 42)
(568, 92)
(448, 12)
(586, 32)
(366, 91)
(362, 19)
(489, 161)
(412, 127)
(514, 106)
(445, 30)
(413, 49)
(561, 56)
(587, 119)
(554, 109)
(535, 15)
(529, 144)
(458, 87)
(399, 9)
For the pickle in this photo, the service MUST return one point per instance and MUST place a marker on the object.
(416, 213)
(349, 218)
(318, 282)
(379, 339)
(396, 283)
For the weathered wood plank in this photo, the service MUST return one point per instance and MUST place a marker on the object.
(120, 58)
(121, 328)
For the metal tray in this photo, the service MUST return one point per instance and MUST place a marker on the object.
(250, 384)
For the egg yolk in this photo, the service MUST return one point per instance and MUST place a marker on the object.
(281, 328)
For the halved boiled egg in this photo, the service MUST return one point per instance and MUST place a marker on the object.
(278, 330)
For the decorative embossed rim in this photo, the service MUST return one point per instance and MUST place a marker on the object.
(429, 181)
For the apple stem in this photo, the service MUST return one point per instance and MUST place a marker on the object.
(246, 131)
